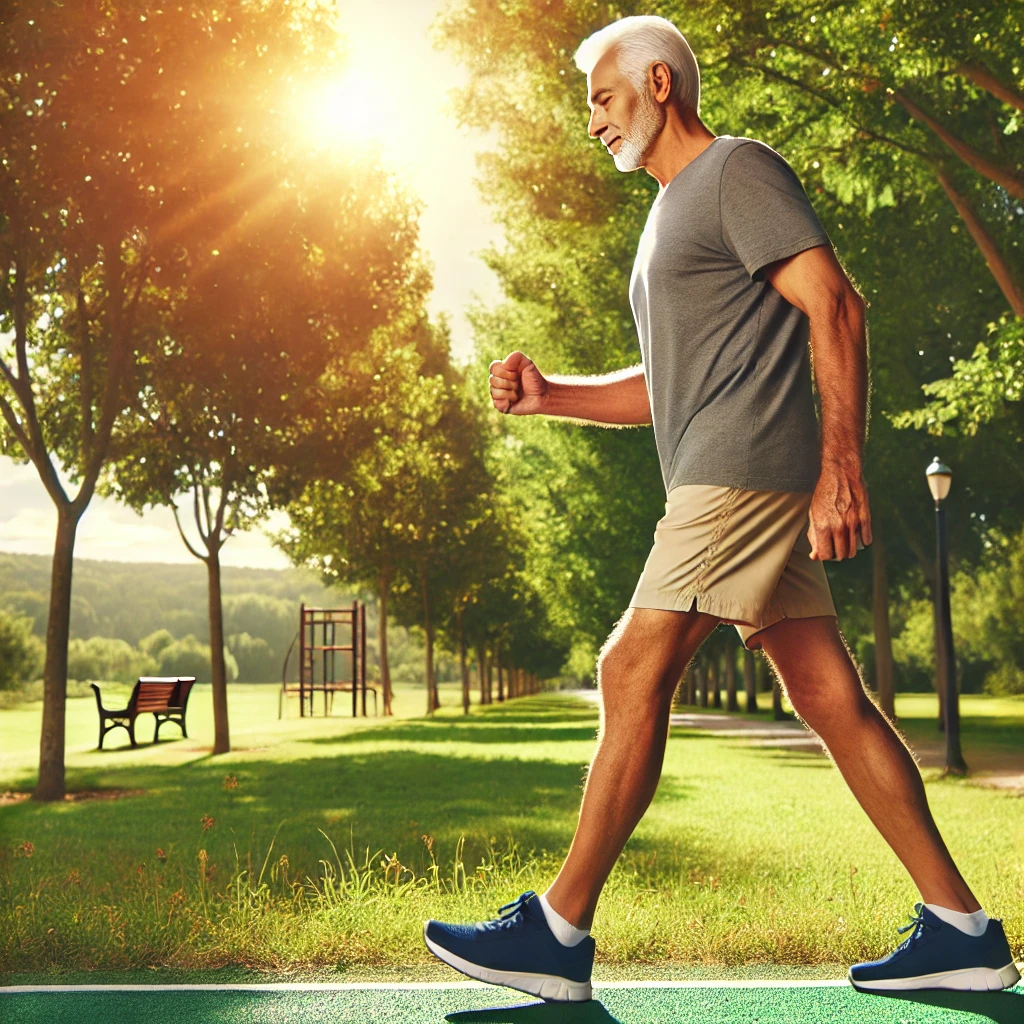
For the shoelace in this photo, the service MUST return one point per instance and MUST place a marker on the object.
(509, 915)
(916, 928)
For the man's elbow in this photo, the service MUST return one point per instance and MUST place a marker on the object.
(841, 306)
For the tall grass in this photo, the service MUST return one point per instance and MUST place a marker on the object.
(329, 847)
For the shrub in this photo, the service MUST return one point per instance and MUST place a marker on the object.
(21, 653)
(189, 657)
(103, 658)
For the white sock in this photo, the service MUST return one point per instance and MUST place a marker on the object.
(970, 924)
(567, 934)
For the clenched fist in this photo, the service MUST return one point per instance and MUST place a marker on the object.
(517, 385)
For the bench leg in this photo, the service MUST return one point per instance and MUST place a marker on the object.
(131, 732)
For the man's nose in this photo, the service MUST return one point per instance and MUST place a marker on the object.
(597, 123)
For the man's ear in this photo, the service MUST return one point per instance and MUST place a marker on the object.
(660, 80)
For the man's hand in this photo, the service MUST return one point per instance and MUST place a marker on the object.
(839, 514)
(517, 386)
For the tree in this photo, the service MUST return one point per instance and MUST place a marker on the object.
(359, 526)
(118, 162)
(230, 407)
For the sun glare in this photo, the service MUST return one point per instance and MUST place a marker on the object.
(349, 111)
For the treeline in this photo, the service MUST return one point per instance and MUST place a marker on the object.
(132, 619)
(904, 126)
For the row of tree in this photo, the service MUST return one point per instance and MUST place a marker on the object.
(904, 125)
(196, 313)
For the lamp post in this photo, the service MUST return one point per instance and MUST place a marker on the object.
(940, 478)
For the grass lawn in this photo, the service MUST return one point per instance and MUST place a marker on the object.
(341, 837)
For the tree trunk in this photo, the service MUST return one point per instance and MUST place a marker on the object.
(383, 587)
(749, 681)
(703, 681)
(218, 669)
(481, 664)
(432, 702)
(691, 684)
(731, 704)
(497, 663)
(883, 637)
(50, 785)
(463, 666)
(715, 673)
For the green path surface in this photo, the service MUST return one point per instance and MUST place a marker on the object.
(676, 1004)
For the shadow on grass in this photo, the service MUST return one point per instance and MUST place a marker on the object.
(998, 1007)
(592, 1012)
(496, 732)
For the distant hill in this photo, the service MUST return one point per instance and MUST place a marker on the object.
(130, 600)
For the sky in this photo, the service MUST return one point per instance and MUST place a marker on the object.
(434, 157)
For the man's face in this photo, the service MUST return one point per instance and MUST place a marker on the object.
(625, 121)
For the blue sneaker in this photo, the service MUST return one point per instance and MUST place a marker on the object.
(938, 955)
(518, 950)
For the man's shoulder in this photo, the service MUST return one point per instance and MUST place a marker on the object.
(749, 150)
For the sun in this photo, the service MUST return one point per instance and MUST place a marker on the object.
(348, 111)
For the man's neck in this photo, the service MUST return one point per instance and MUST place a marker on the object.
(681, 141)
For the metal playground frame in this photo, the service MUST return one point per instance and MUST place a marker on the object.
(325, 665)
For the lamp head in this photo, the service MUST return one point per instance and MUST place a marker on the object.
(940, 479)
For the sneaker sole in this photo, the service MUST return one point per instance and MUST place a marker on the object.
(970, 979)
(546, 986)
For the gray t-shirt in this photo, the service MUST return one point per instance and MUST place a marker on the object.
(725, 355)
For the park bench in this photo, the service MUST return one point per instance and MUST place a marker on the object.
(166, 697)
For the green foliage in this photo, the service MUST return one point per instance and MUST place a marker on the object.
(253, 656)
(100, 659)
(989, 603)
(979, 387)
(156, 642)
(189, 657)
(21, 653)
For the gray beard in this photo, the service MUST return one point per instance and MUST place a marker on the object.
(642, 131)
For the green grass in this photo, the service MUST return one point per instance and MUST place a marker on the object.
(747, 856)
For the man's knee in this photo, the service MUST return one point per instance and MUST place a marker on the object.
(645, 655)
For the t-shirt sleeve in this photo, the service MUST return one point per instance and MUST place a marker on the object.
(766, 215)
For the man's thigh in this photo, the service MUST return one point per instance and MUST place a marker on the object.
(650, 647)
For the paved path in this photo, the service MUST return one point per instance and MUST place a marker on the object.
(750, 1002)
(1001, 770)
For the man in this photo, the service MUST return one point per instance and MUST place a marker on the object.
(733, 275)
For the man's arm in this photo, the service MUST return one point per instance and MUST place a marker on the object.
(617, 399)
(815, 283)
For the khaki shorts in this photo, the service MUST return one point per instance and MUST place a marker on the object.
(739, 554)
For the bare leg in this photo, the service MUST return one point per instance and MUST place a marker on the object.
(825, 690)
(638, 670)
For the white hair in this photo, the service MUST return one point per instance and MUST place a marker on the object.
(639, 42)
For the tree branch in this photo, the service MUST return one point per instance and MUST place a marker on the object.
(13, 423)
(978, 162)
(998, 266)
(87, 363)
(115, 366)
(982, 77)
(181, 533)
(836, 105)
